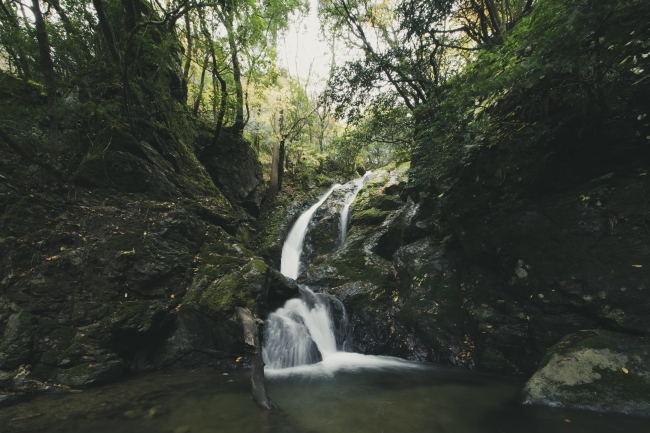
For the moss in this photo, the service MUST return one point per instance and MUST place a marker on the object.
(228, 293)
(613, 387)
(79, 370)
(240, 289)
(351, 263)
(602, 340)
(372, 216)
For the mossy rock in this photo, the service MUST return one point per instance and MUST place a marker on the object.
(128, 173)
(245, 288)
(595, 370)
(372, 216)
(87, 374)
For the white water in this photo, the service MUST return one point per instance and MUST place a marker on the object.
(292, 248)
(349, 198)
(302, 332)
(310, 335)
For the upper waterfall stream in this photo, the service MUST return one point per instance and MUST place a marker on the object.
(292, 248)
(310, 334)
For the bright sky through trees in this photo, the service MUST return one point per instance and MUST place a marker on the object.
(303, 46)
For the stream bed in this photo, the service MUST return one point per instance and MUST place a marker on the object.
(422, 398)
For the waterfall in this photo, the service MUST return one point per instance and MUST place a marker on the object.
(349, 198)
(310, 333)
(292, 248)
(303, 332)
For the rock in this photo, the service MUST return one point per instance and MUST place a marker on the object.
(280, 290)
(93, 282)
(596, 370)
(6, 379)
(88, 374)
(18, 340)
(154, 163)
(235, 169)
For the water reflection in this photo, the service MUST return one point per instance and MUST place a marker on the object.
(383, 399)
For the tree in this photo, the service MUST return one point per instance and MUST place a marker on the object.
(47, 68)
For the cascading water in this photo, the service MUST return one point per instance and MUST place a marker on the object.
(292, 248)
(310, 333)
(303, 332)
(349, 198)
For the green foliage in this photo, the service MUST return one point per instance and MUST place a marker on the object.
(383, 135)
(577, 64)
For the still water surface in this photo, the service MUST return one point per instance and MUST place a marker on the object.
(429, 398)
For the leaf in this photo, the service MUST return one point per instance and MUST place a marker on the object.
(625, 370)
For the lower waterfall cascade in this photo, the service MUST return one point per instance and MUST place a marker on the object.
(310, 334)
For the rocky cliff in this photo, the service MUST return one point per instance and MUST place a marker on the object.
(139, 262)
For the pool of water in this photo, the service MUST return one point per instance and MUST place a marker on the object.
(391, 398)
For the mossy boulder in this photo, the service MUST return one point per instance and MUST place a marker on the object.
(369, 217)
(88, 374)
(596, 370)
(234, 167)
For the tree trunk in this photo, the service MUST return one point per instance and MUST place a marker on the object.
(188, 52)
(197, 102)
(494, 17)
(222, 103)
(239, 124)
(50, 82)
(129, 14)
(107, 32)
(251, 337)
(276, 166)
(281, 165)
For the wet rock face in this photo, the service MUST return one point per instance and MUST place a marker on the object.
(596, 370)
(324, 232)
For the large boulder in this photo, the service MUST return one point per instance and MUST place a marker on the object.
(595, 370)
(234, 167)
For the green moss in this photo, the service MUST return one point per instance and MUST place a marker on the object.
(239, 289)
(228, 293)
(352, 264)
(79, 370)
(600, 341)
(372, 216)
(386, 202)
(612, 387)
